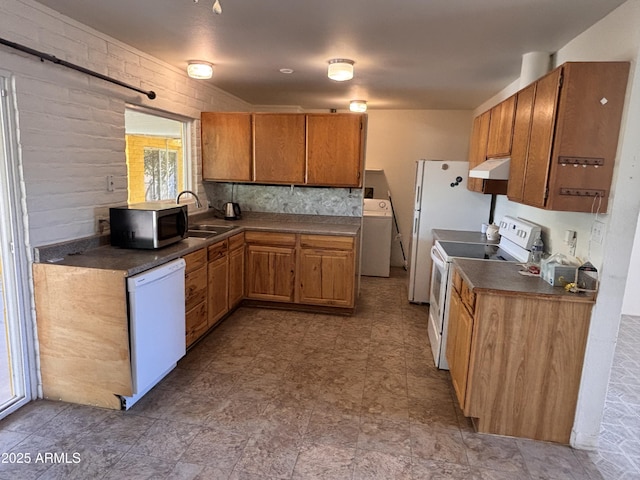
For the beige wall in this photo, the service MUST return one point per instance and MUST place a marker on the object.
(397, 138)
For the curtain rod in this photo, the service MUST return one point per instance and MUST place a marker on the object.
(45, 56)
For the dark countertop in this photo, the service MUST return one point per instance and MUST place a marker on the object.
(461, 236)
(135, 261)
(503, 278)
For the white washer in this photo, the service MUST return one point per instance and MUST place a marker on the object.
(376, 237)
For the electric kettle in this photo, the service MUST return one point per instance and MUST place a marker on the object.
(231, 211)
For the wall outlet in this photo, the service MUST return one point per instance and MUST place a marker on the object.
(111, 186)
(597, 232)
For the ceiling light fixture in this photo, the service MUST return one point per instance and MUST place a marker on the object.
(340, 69)
(217, 8)
(200, 70)
(359, 106)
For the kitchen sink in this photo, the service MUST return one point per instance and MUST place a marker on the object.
(202, 230)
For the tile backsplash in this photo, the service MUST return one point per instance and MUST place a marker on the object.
(342, 202)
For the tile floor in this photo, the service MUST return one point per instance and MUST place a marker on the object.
(282, 395)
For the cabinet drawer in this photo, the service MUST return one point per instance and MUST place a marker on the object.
(195, 287)
(271, 238)
(195, 259)
(218, 250)
(327, 241)
(196, 322)
(236, 241)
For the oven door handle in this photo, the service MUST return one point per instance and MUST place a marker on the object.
(437, 258)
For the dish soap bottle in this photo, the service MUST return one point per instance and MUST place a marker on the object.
(537, 250)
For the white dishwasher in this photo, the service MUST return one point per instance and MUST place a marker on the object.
(156, 325)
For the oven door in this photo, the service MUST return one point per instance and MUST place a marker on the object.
(437, 298)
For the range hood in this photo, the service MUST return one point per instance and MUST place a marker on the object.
(492, 169)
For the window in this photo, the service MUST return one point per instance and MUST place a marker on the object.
(157, 167)
(160, 174)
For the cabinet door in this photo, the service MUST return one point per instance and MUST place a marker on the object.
(520, 146)
(459, 346)
(540, 140)
(478, 148)
(270, 273)
(226, 146)
(335, 144)
(326, 277)
(501, 128)
(217, 304)
(279, 148)
(236, 276)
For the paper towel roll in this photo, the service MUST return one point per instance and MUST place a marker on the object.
(534, 66)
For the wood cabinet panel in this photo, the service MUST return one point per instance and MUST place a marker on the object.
(327, 241)
(526, 365)
(327, 277)
(478, 148)
(236, 276)
(459, 346)
(217, 250)
(270, 272)
(217, 301)
(279, 148)
(195, 260)
(542, 129)
(226, 146)
(520, 146)
(195, 285)
(270, 238)
(196, 323)
(589, 116)
(501, 128)
(81, 341)
(335, 149)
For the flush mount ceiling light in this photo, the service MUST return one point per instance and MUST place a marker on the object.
(217, 8)
(200, 70)
(340, 69)
(359, 106)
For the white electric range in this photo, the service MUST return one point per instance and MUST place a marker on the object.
(516, 238)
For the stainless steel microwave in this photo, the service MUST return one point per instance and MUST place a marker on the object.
(148, 225)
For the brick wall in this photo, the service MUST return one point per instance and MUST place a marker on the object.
(71, 126)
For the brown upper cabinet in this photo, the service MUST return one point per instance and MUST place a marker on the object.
(501, 128)
(565, 137)
(278, 148)
(226, 146)
(478, 148)
(291, 149)
(335, 149)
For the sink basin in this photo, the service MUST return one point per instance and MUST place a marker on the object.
(201, 234)
(208, 231)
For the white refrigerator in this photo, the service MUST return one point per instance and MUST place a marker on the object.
(442, 201)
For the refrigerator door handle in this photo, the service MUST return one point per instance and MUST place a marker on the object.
(415, 226)
(437, 259)
(417, 206)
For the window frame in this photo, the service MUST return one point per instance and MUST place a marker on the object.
(189, 170)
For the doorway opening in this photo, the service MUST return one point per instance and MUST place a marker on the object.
(16, 339)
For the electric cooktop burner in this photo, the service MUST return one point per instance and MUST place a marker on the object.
(476, 250)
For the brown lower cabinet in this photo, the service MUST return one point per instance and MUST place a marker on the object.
(271, 265)
(195, 285)
(516, 360)
(327, 270)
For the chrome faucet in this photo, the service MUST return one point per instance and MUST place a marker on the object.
(198, 204)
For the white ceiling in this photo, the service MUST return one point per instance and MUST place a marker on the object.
(409, 54)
